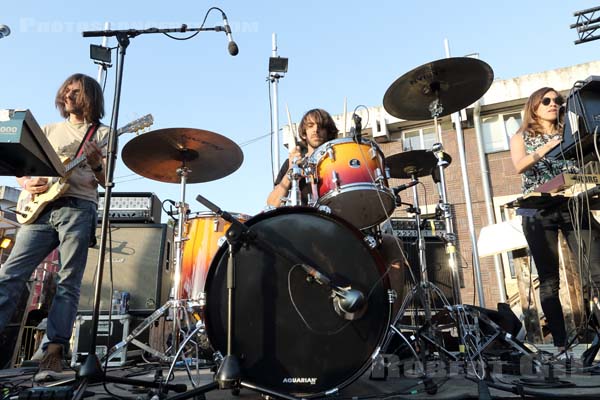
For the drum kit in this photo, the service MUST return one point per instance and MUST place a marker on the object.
(295, 300)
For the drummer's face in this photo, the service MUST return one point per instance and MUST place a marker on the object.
(315, 134)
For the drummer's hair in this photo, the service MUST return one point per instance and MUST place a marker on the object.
(90, 97)
(323, 119)
(530, 124)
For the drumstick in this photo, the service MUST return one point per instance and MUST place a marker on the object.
(345, 114)
(289, 117)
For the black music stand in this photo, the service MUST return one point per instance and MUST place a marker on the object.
(24, 149)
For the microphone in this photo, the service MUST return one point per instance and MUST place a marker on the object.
(357, 129)
(232, 46)
(346, 301)
(404, 186)
(4, 31)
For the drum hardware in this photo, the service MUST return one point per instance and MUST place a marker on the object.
(294, 198)
(413, 165)
(434, 90)
(179, 155)
(443, 161)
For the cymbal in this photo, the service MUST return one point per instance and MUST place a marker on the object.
(414, 163)
(456, 82)
(158, 154)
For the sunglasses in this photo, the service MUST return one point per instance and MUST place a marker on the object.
(557, 100)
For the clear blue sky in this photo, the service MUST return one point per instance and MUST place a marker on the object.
(336, 49)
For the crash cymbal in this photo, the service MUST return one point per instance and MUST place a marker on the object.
(414, 163)
(456, 82)
(158, 154)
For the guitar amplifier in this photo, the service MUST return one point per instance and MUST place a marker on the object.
(132, 207)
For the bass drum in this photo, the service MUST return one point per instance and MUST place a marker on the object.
(287, 333)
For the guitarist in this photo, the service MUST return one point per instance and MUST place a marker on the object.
(67, 222)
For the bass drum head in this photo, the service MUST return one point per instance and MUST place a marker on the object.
(287, 335)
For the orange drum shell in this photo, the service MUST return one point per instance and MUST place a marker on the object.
(203, 233)
(361, 195)
(347, 154)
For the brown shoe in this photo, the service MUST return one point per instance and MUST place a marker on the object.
(51, 366)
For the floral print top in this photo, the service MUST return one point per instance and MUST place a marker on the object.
(546, 168)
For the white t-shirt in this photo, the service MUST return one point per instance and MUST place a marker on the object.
(65, 137)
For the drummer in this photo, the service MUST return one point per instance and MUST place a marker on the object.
(316, 128)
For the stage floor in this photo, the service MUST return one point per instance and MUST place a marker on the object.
(570, 381)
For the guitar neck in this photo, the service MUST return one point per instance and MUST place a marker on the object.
(133, 126)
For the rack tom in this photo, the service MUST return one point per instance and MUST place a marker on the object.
(351, 180)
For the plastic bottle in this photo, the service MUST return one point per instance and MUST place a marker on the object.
(116, 302)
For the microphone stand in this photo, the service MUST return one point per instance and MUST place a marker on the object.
(229, 373)
(91, 370)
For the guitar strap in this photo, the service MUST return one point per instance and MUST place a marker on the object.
(90, 132)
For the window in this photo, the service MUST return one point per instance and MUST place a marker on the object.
(497, 130)
(419, 139)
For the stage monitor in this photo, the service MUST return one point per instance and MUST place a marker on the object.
(24, 149)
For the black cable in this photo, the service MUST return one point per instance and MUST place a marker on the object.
(522, 391)
(197, 32)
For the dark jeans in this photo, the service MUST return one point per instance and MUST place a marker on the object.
(541, 232)
(66, 223)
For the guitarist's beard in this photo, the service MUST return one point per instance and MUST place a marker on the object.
(75, 109)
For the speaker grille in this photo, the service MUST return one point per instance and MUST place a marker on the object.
(141, 258)
(438, 267)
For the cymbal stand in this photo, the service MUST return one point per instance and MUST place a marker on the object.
(176, 305)
(466, 318)
(450, 236)
(423, 291)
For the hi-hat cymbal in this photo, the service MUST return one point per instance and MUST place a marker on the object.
(456, 82)
(159, 154)
(414, 163)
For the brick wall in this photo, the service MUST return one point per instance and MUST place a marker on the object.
(504, 181)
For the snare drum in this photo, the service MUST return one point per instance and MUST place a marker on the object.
(351, 180)
(205, 233)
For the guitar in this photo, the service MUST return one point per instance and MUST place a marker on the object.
(29, 206)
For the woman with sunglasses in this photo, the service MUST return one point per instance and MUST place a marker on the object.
(539, 133)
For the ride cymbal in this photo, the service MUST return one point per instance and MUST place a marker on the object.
(456, 82)
(158, 155)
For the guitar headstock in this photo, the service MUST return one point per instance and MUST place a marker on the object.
(137, 125)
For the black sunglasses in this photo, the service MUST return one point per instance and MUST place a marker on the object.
(557, 100)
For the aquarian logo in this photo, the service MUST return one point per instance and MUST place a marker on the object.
(312, 381)
(8, 129)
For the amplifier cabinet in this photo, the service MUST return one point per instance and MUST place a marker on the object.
(438, 266)
(141, 256)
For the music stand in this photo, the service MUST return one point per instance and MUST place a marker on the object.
(24, 149)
